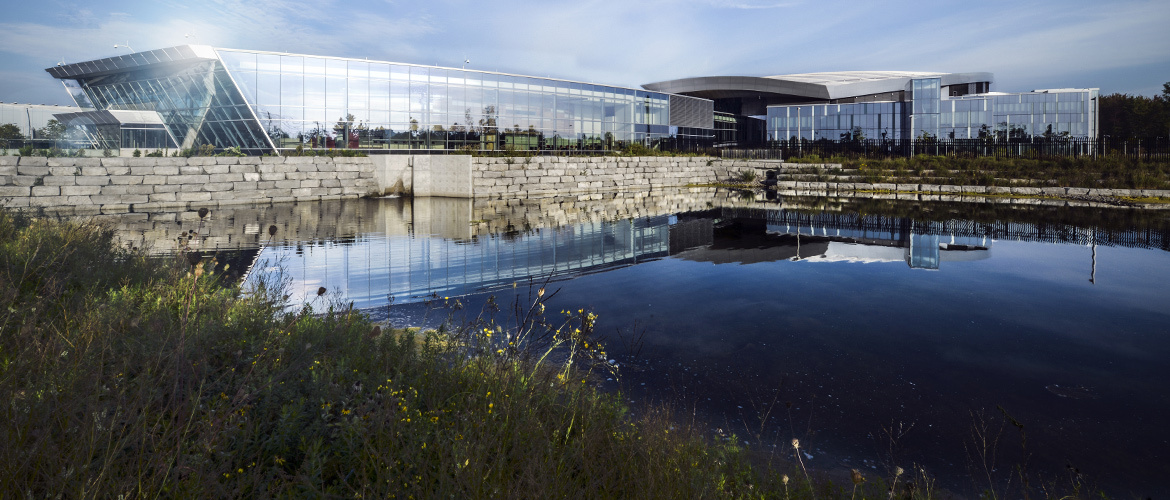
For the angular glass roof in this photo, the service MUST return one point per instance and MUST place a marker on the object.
(137, 60)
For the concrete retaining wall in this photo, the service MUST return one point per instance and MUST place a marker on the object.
(124, 184)
(446, 176)
(512, 177)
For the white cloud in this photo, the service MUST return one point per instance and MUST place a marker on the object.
(629, 43)
(733, 4)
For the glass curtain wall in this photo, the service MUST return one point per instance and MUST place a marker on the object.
(836, 122)
(1017, 116)
(1044, 114)
(318, 102)
(198, 103)
(925, 95)
(1026, 115)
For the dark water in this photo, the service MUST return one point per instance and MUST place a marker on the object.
(885, 339)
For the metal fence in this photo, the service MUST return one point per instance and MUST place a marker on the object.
(1153, 149)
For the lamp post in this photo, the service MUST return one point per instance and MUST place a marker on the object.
(124, 46)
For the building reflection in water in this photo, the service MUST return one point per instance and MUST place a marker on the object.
(438, 259)
(880, 239)
(411, 268)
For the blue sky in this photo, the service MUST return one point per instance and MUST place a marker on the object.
(1118, 46)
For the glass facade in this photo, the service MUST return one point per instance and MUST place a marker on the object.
(925, 95)
(344, 103)
(260, 101)
(836, 122)
(1068, 113)
(198, 102)
(927, 114)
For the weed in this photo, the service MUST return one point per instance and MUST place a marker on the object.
(123, 375)
(128, 376)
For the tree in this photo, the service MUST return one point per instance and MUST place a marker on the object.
(10, 131)
(53, 130)
(1125, 116)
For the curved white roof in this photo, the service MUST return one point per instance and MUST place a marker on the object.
(809, 86)
(841, 77)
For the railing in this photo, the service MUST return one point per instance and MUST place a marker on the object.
(1153, 149)
(752, 154)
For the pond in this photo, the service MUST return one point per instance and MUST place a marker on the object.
(880, 333)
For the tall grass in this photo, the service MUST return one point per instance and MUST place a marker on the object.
(121, 376)
(127, 377)
(1105, 172)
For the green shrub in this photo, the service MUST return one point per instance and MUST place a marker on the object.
(233, 151)
(123, 376)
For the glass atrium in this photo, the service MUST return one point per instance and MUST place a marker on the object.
(260, 101)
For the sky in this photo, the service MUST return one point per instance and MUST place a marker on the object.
(1120, 46)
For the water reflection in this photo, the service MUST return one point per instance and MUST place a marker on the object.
(412, 269)
(814, 307)
(411, 251)
(790, 235)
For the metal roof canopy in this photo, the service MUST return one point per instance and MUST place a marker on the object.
(182, 54)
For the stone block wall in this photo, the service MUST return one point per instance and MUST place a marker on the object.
(521, 177)
(139, 184)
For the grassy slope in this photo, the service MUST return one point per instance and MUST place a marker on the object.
(1106, 172)
(123, 376)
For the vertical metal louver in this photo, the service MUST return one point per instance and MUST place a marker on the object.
(691, 112)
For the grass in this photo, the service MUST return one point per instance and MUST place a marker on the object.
(1146, 199)
(1105, 172)
(128, 377)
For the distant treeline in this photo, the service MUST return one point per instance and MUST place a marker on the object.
(1126, 116)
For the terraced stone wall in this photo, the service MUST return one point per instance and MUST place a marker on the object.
(537, 176)
(142, 184)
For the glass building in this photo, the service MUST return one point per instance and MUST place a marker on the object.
(927, 113)
(891, 105)
(264, 101)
